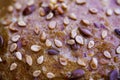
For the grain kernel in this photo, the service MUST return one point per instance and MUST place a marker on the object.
(13, 47)
(21, 23)
(50, 75)
(18, 55)
(63, 61)
(40, 59)
(66, 21)
(52, 24)
(80, 2)
(64, 6)
(85, 22)
(15, 38)
(91, 44)
(81, 62)
(29, 60)
(48, 43)
(43, 36)
(94, 63)
(72, 16)
(107, 54)
(104, 34)
(13, 66)
(36, 73)
(35, 48)
(109, 12)
(58, 43)
(79, 40)
(93, 10)
(117, 11)
(73, 33)
(49, 16)
(71, 42)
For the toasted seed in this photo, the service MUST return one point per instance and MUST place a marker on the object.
(85, 22)
(72, 16)
(42, 12)
(78, 73)
(118, 50)
(18, 55)
(81, 62)
(1, 41)
(21, 23)
(43, 36)
(66, 21)
(93, 10)
(80, 2)
(13, 66)
(37, 30)
(71, 42)
(85, 32)
(109, 12)
(15, 38)
(18, 6)
(117, 11)
(58, 43)
(40, 59)
(91, 44)
(63, 61)
(1, 59)
(49, 16)
(118, 2)
(53, 51)
(64, 6)
(113, 75)
(50, 75)
(36, 73)
(29, 60)
(79, 40)
(48, 43)
(29, 10)
(60, 10)
(53, 1)
(35, 48)
(30, 2)
(73, 33)
(10, 8)
(94, 63)
(52, 24)
(13, 47)
(104, 34)
(107, 54)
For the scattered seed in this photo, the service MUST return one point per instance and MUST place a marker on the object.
(10, 8)
(37, 30)
(30, 2)
(118, 50)
(64, 6)
(48, 43)
(18, 6)
(52, 24)
(107, 54)
(18, 55)
(60, 10)
(53, 1)
(42, 12)
(29, 10)
(53, 51)
(21, 23)
(1, 41)
(66, 21)
(63, 61)
(117, 11)
(43, 36)
(49, 16)
(13, 29)
(118, 2)
(79, 40)
(72, 16)
(117, 31)
(109, 12)
(80, 2)
(15, 38)
(13, 47)
(85, 22)
(71, 42)
(58, 43)
(1, 59)
(104, 34)
(29, 60)
(94, 63)
(73, 33)
(81, 62)
(36, 73)
(50, 75)
(91, 44)
(78, 73)
(85, 32)
(35, 48)
(93, 10)
(13, 66)
(113, 75)
(40, 59)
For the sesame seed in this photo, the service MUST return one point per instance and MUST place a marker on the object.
(29, 60)
(40, 59)
(58, 43)
(52, 24)
(35, 48)
(50, 75)
(18, 55)
(36, 73)
(13, 66)
(79, 40)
